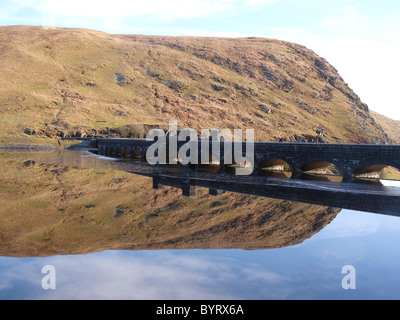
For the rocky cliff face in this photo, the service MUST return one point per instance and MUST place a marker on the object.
(75, 83)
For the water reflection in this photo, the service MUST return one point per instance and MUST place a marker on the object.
(74, 202)
(275, 174)
(311, 270)
(103, 229)
(322, 177)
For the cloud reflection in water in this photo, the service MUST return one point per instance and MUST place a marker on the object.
(311, 270)
(188, 274)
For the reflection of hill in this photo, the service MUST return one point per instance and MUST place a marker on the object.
(56, 209)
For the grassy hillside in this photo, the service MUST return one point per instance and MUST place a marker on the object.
(72, 82)
(392, 127)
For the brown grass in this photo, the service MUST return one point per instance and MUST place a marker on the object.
(82, 80)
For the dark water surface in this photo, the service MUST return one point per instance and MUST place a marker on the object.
(133, 242)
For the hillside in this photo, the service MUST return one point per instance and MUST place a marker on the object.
(388, 125)
(73, 83)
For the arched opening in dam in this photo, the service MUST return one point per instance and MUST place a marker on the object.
(376, 172)
(275, 168)
(112, 151)
(321, 171)
(213, 165)
(126, 152)
(136, 154)
(118, 151)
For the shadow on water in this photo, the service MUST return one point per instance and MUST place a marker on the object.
(74, 202)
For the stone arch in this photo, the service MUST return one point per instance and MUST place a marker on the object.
(126, 152)
(111, 151)
(370, 169)
(321, 170)
(137, 153)
(118, 151)
(213, 165)
(274, 167)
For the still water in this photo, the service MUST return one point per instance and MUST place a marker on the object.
(109, 235)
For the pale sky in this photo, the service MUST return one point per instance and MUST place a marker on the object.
(360, 38)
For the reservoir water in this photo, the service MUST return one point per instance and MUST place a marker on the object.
(113, 234)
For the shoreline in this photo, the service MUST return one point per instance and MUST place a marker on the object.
(44, 147)
(25, 147)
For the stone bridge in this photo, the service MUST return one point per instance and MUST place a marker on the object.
(346, 160)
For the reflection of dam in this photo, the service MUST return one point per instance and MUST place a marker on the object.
(360, 197)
